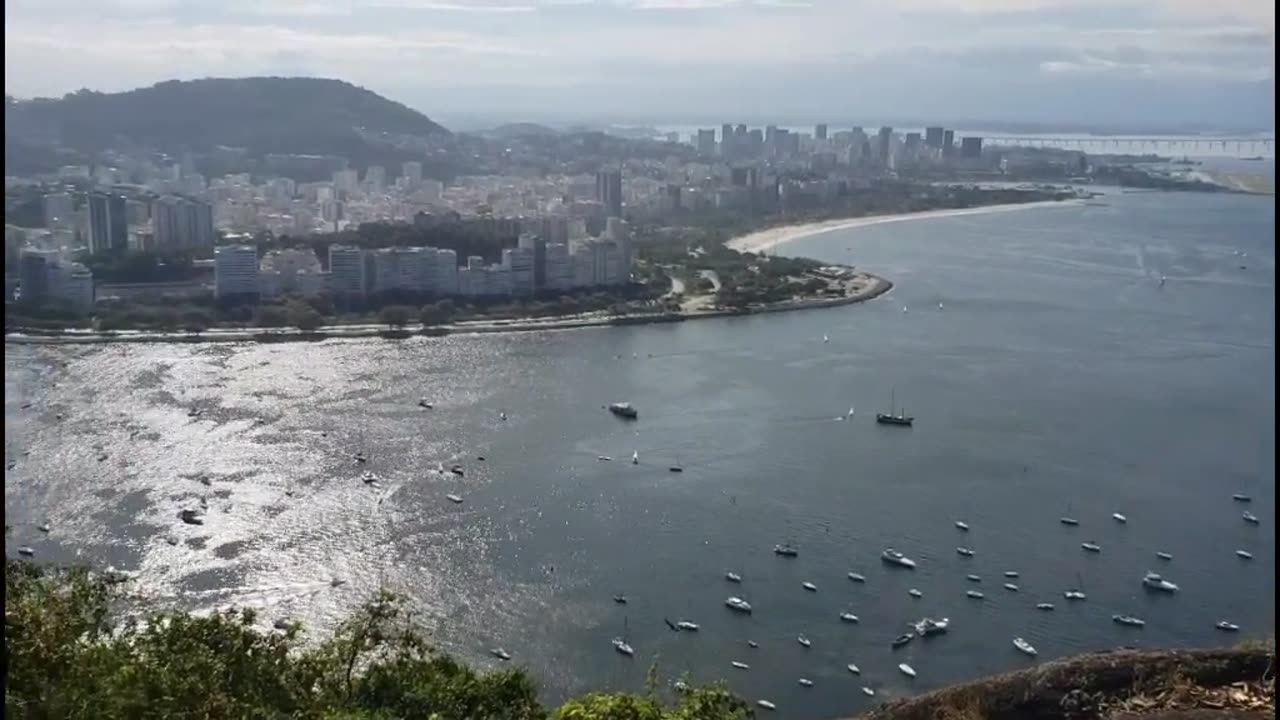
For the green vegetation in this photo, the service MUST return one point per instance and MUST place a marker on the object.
(72, 651)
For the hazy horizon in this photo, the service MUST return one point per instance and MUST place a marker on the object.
(1130, 64)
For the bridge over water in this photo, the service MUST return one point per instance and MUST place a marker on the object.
(1185, 145)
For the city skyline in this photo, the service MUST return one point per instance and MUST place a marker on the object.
(1141, 63)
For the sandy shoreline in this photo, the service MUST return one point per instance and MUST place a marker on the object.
(765, 240)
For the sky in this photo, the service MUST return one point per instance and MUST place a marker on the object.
(1157, 64)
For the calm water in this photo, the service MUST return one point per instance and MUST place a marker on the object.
(1048, 371)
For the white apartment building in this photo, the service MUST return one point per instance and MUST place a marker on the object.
(348, 274)
(181, 223)
(518, 263)
(446, 272)
(559, 267)
(235, 270)
(410, 269)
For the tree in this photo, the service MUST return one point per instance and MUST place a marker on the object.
(396, 316)
(305, 318)
(271, 316)
(438, 313)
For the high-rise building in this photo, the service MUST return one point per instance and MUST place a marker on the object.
(108, 223)
(706, 142)
(971, 147)
(412, 172)
(180, 223)
(933, 136)
(235, 271)
(820, 131)
(609, 191)
(33, 274)
(948, 142)
(518, 263)
(883, 140)
(912, 144)
(446, 272)
(559, 269)
(375, 176)
(348, 276)
(346, 180)
(538, 245)
(59, 209)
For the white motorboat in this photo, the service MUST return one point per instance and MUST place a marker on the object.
(853, 669)
(766, 705)
(928, 626)
(733, 577)
(856, 577)
(621, 409)
(1164, 556)
(907, 670)
(453, 498)
(1068, 521)
(43, 527)
(753, 644)
(1227, 626)
(620, 599)
(893, 557)
(848, 617)
(26, 551)
(740, 665)
(1238, 497)
(1011, 573)
(785, 550)
(973, 578)
(826, 339)
(804, 641)
(1153, 581)
(737, 603)
(1244, 554)
(809, 586)
(1250, 518)
(1044, 606)
(621, 646)
(500, 654)
(687, 626)
(1091, 547)
(502, 416)
(967, 552)
(806, 682)
(1011, 587)
(1129, 620)
(962, 525)
(604, 458)
(1073, 595)
(1120, 518)
(868, 692)
(1024, 646)
(915, 593)
(975, 594)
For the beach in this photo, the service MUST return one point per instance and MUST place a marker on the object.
(765, 240)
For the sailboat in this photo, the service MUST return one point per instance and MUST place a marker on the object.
(620, 643)
(894, 416)
(635, 457)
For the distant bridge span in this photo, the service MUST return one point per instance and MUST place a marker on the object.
(1239, 144)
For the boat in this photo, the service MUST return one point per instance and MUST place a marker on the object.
(1164, 555)
(1241, 497)
(853, 669)
(962, 525)
(1073, 595)
(624, 410)
(785, 550)
(1129, 620)
(635, 457)
(894, 417)
(337, 582)
(1119, 518)
(368, 477)
(738, 604)
(670, 625)
(975, 594)
(901, 640)
(620, 599)
(766, 705)
(1024, 646)
(621, 646)
(26, 551)
(856, 577)
(848, 617)
(676, 469)
(687, 626)
(43, 527)
(753, 644)
(1250, 518)
(967, 552)
(804, 641)
(1244, 554)
(502, 415)
(806, 682)
(1011, 587)
(1068, 521)
(733, 577)
(1227, 626)
(928, 626)
(424, 404)
(907, 670)
(915, 593)
(457, 470)
(893, 557)
(826, 339)
(1153, 581)
(1163, 280)
(973, 578)
(453, 498)
(604, 458)
(740, 665)
(868, 692)
(500, 654)
(680, 686)
(809, 586)
(282, 624)
(1011, 573)
(191, 517)
(1091, 547)
(1044, 606)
